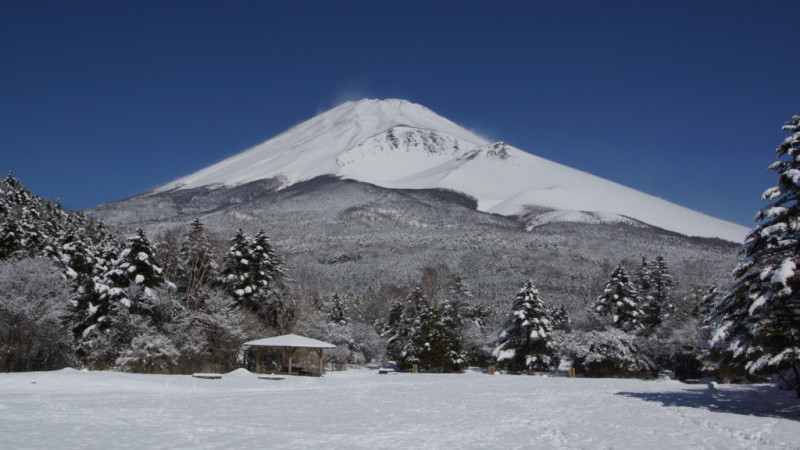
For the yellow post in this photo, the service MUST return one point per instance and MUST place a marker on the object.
(413, 368)
(491, 370)
(571, 372)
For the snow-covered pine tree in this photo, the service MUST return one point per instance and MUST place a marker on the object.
(524, 342)
(135, 266)
(559, 319)
(254, 275)
(337, 311)
(10, 238)
(237, 277)
(272, 263)
(197, 268)
(643, 277)
(760, 315)
(655, 291)
(451, 337)
(401, 319)
(621, 302)
(126, 303)
(391, 331)
(429, 344)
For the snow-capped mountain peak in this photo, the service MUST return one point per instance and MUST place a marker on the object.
(398, 144)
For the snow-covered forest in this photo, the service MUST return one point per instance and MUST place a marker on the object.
(74, 294)
(185, 302)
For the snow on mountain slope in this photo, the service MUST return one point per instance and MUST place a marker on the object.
(312, 148)
(398, 144)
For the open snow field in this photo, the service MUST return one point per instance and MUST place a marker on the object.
(360, 409)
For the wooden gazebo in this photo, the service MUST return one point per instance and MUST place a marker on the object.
(290, 343)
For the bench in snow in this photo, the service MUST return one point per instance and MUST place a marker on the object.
(207, 376)
(270, 378)
(385, 371)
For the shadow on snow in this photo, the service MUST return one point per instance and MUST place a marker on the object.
(762, 401)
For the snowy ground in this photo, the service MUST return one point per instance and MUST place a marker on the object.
(360, 409)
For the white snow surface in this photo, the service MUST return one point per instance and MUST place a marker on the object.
(361, 409)
(398, 144)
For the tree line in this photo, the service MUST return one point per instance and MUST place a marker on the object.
(72, 293)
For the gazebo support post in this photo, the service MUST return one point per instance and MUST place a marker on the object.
(259, 355)
(289, 353)
(319, 354)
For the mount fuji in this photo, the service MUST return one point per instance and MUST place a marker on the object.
(397, 144)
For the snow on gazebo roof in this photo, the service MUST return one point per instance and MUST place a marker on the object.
(289, 340)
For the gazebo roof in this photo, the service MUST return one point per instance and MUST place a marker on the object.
(289, 340)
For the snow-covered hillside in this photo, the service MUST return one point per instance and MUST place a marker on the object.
(361, 409)
(398, 144)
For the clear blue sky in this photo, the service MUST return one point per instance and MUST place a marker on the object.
(100, 100)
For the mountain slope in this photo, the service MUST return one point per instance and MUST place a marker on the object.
(353, 237)
(401, 145)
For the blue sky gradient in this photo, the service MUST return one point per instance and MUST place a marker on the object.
(101, 100)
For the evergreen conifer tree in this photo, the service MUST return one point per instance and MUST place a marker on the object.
(337, 311)
(254, 275)
(660, 304)
(10, 238)
(759, 328)
(237, 277)
(523, 345)
(197, 268)
(399, 327)
(621, 302)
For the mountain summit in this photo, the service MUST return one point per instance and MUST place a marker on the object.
(399, 144)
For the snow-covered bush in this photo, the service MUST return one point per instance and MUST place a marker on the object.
(212, 335)
(338, 323)
(611, 353)
(33, 309)
(149, 354)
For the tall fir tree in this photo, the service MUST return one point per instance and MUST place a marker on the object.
(663, 284)
(433, 339)
(237, 277)
(254, 276)
(524, 341)
(620, 301)
(197, 268)
(401, 319)
(655, 289)
(135, 267)
(759, 328)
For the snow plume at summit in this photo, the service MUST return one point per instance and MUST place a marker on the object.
(402, 145)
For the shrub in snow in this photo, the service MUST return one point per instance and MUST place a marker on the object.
(101, 344)
(611, 353)
(759, 329)
(524, 341)
(33, 311)
(356, 342)
(211, 334)
(149, 354)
